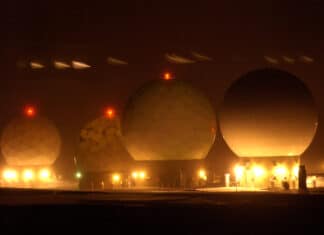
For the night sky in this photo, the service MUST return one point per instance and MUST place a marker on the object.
(237, 36)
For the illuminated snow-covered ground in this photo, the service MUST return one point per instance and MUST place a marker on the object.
(60, 185)
(231, 189)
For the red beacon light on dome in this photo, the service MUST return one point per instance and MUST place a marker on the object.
(30, 111)
(110, 113)
(167, 76)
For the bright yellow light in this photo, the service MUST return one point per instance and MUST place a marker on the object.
(295, 171)
(239, 171)
(116, 178)
(28, 175)
(139, 175)
(280, 171)
(311, 181)
(258, 171)
(135, 175)
(202, 174)
(142, 175)
(10, 175)
(78, 175)
(44, 174)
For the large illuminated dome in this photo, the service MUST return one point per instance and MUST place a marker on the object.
(268, 113)
(168, 120)
(30, 142)
(100, 148)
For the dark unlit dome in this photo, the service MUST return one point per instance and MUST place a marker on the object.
(101, 148)
(30, 142)
(268, 112)
(168, 120)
